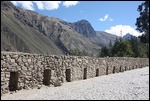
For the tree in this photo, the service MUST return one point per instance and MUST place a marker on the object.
(135, 46)
(104, 52)
(128, 48)
(116, 40)
(142, 23)
(122, 49)
(110, 44)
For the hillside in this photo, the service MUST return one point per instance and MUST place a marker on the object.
(103, 38)
(27, 31)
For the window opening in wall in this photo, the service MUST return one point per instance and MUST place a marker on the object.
(68, 75)
(97, 72)
(125, 68)
(120, 69)
(13, 81)
(133, 67)
(114, 69)
(85, 73)
(47, 76)
(107, 70)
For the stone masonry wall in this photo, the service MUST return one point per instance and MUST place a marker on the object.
(26, 71)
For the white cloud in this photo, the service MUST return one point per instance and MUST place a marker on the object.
(47, 5)
(70, 3)
(44, 5)
(39, 4)
(25, 4)
(106, 17)
(14, 2)
(124, 29)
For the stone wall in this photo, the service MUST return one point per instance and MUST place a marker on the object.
(26, 71)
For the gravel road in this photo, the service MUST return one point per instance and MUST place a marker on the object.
(128, 85)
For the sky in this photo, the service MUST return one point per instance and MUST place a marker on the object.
(115, 17)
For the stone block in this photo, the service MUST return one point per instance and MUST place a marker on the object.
(57, 82)
(12, 61)
(24, 68)
(29, 60)
(15, 56)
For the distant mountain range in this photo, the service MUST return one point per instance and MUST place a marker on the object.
(128, 36)
(27, 31)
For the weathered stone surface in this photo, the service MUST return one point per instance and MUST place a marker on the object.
(31, 68)
(15, 56)
(57, 82)
(12, 61)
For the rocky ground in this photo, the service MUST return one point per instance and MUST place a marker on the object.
(129, 85)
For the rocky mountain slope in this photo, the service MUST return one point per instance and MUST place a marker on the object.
(84, 28)
(128, 36)
(103, 39)
(27, 31)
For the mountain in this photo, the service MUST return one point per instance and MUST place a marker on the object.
(18, 35)
(84, 28)
(103, 38)
(128, 36)
(27, 31)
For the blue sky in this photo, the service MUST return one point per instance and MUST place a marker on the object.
(114, 17)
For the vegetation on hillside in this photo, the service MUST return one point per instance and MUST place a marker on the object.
(135, 47)
(125, 48)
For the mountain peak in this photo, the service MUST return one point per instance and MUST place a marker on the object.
(83, 20)
(128, 36)
(37, 33)
(84, 28)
